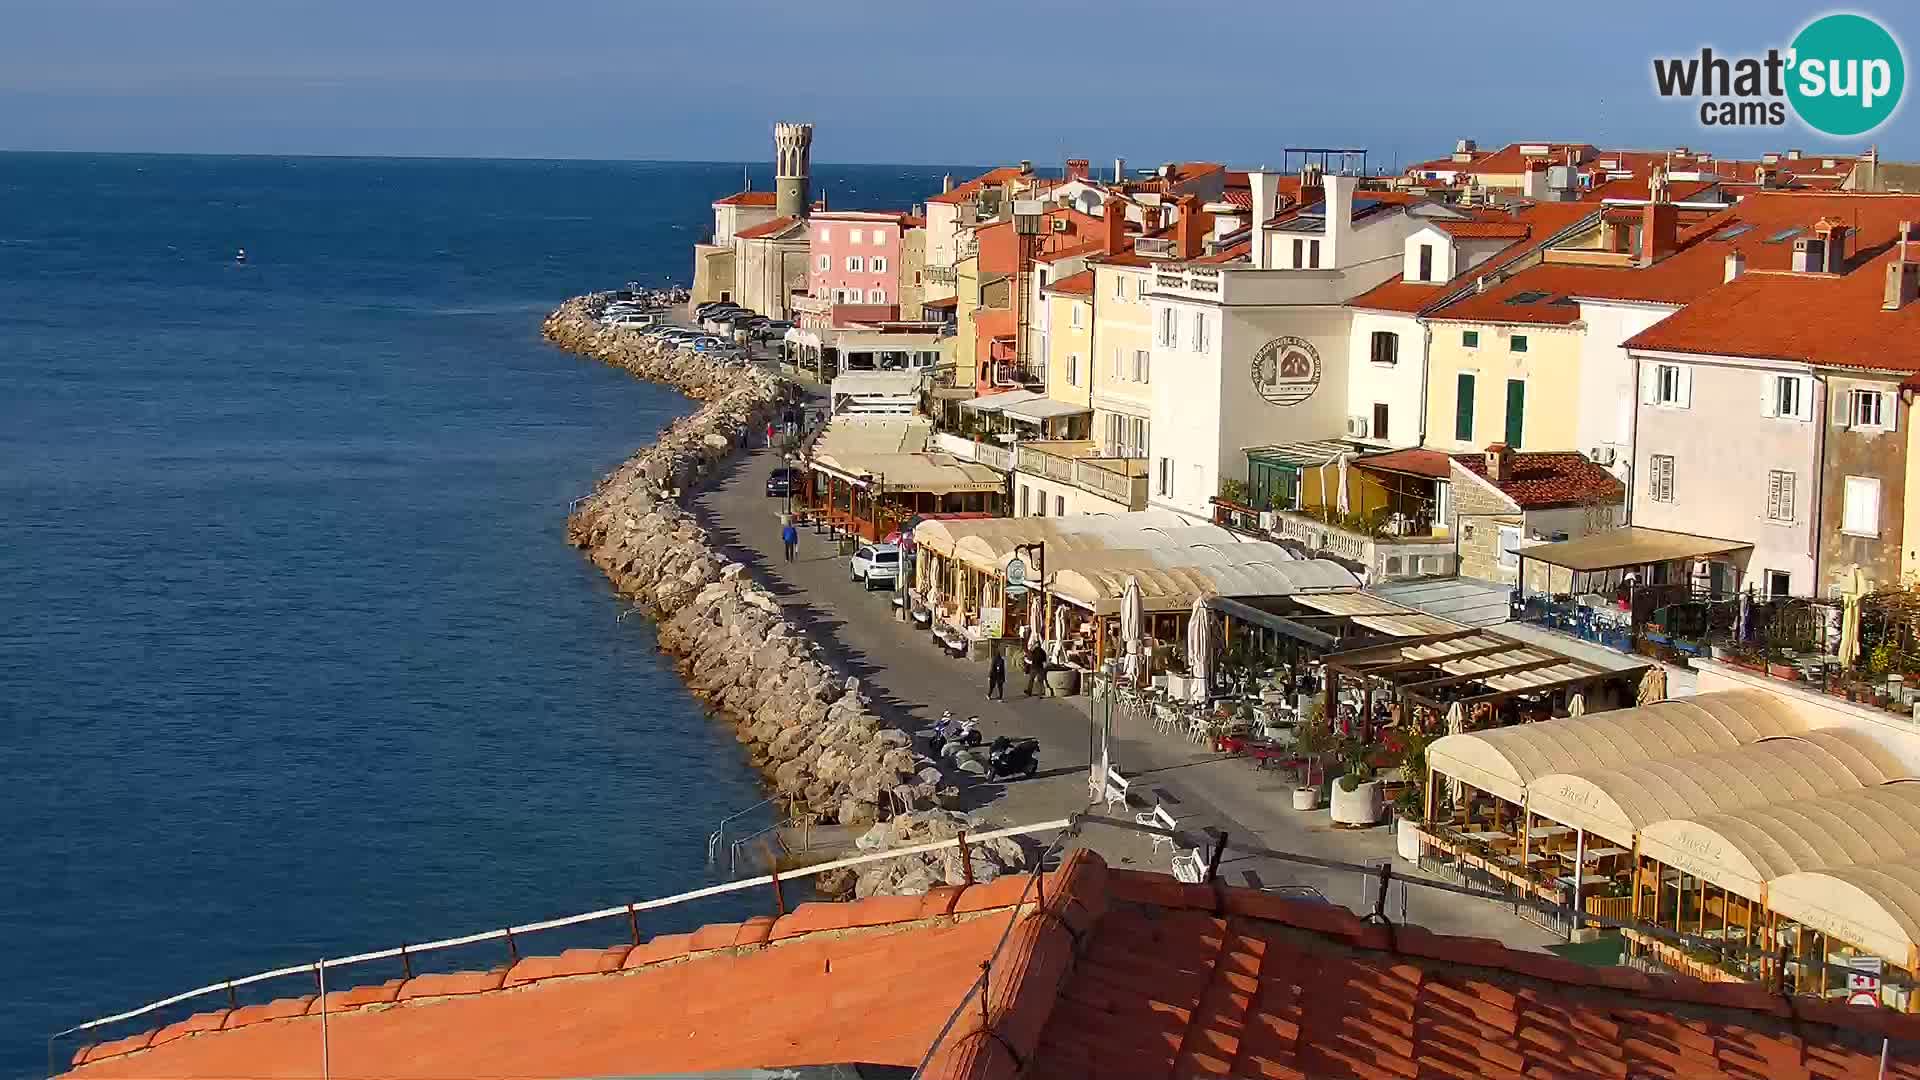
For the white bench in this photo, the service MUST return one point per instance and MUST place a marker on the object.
(1158, 818)
(1115, 792)
(1190, 868)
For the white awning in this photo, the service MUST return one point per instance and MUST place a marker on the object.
(1044, 408)
(992, 403)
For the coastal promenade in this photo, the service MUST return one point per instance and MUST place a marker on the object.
(910, 682)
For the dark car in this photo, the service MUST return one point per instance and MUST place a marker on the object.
(780, 482)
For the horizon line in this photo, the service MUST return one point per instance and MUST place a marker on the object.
(451, 157)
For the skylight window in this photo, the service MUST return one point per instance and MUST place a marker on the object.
(1565, 301)
(1732, 231)
(1786, 234)
(1531, 296)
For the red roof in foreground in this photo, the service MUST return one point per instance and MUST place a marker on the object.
(1542, 481)
(1080, 284)
(749, 198)
(1414, 462)
(771, 228)
(1118, 975)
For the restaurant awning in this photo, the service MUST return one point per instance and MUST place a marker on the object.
(1164, 589)
(1628, 546)
(943, 536)
(1379, 615)
(1504, 761)
(1617, 803)
(1742, 850)
(992, 403)
(933, 472)
(1875, 906)
(1300, 454)
(1044, 408)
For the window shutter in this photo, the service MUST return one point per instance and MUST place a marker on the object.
(1804, 404)
(1516, 411)
(1463, 408)
(1842, 407)
(1786, 496)
(1686, 386)
(1649, 384)
(1889, 409)
(1770, 396)
(1773, 496)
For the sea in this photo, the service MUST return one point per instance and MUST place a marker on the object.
(295, 660)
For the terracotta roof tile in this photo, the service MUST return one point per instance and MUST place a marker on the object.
(192, 1025)
(1543, 480)
(749, 198)
(771, 228)
(1414, 462)
(450, 984)
(1121, 975)
(713, 936)
(1484, 230)
(964, 192)
(571, 962)
(653, 951)
(1080, 284)
(272, 1010)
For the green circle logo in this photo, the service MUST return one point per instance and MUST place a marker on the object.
(1847, 75)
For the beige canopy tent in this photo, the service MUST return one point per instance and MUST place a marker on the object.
(1380, 615)
(1099, 587)
(1617, 803)
(1745, 850)
(1504, 761)
(997, 537)
(1873, 906)
(1629, 545)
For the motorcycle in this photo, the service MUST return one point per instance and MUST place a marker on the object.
(949, 731)
(1013, 757)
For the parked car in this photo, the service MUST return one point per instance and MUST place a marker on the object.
(780, 482)
(875, 565)
(632, 320)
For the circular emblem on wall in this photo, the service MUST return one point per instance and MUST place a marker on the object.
(1286, 371)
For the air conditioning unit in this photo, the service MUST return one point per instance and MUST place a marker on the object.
(1356, 427)
(1601, 455)
(1059, 224)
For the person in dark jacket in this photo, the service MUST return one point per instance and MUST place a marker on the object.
(997, 676)
(1036, 671)
(789, 539)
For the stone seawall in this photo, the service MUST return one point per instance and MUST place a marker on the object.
(807, 727)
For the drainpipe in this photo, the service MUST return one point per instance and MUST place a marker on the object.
(1821, 421)
(1633, 442)
(1426, 348)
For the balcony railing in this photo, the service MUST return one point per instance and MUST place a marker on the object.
(941, 275)
(1088, 474)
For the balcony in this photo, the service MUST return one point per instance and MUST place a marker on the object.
(941, 275)
(1384, 555)
(1246, 285)
(1077, 462)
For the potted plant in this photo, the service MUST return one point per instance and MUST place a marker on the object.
(1357, 798)
(1410, 804)
(1311, 739)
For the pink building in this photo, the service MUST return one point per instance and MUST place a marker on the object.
(854, 257)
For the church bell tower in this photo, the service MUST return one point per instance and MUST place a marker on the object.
(792, 168)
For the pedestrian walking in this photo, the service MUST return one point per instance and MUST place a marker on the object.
(789, 539)
(769, 433)
(1036, 671)
(997, 675)
(743, 435)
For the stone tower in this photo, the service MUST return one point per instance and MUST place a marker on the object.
(792, 167)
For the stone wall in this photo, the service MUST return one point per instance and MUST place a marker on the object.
(807, 727)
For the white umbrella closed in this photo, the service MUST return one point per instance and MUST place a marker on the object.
(1456, 724)
(1850, 598)
(1200, 647)
(1345, 501)
(1131, 619)
(1577, 707)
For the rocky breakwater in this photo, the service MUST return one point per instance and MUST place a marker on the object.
(807, 727)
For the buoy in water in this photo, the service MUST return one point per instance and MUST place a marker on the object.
(240, 256)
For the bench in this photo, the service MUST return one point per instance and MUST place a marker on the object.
(1191, 867)
(1159, 818)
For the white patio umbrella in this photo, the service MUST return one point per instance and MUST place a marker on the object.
(1132, 629)
(1653, 686)
(1850, 598)
(1577, 707)
(1200, 646)
(1345, 502)
(1456, 723)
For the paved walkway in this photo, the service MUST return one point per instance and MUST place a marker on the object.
(911, 681)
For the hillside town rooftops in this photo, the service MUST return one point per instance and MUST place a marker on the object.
(965, 192)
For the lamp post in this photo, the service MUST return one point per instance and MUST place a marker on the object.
(792, 475)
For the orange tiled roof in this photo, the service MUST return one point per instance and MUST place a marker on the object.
(1543, 481)
(1483, 229)
(771, 228)
(1536, 223)
(1698, 267)
(1080, 284)
(1416, 461)
(965, 192)
(1077, 251)
(749, 198)
(1832, 321)
(1115, 974)
(1637, 187)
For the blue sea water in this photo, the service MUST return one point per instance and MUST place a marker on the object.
(295, 660)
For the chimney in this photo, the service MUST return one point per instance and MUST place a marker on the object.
(946, 183)
(1499, 462)
(1903, 275)
(1833, 233)
(1119, 169)
(1310, 185)
(1533, 185)
(1793, 155)
(1659, 232)
(1265, 189)
(1190, 231)
(1026, 167)
(1113, 225)
(1339, 219)
(1077, 168)
(1736, 265)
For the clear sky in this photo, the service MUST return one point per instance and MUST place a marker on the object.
(901, 81)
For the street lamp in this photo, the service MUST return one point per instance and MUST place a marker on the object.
(792, 475)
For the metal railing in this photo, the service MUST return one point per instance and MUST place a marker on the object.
(629, 911)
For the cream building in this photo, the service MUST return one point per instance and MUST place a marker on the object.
(1122, 354)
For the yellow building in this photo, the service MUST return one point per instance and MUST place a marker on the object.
(1513, 382)
(1069, 326)
(1122, 354)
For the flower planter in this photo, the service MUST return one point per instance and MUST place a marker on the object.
(1406, 839)
(1786, 672)
(1364, 805)
(1063, 682)
(1306, 797)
